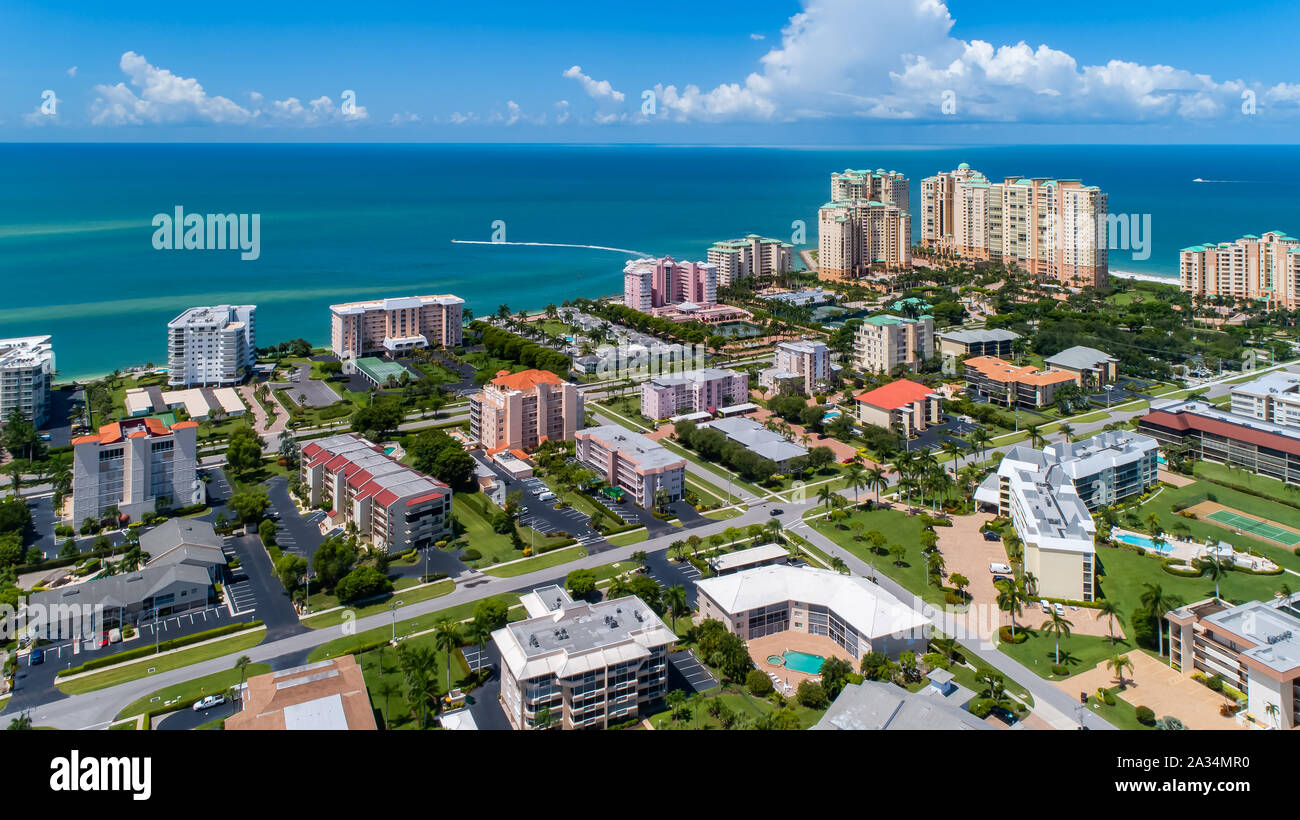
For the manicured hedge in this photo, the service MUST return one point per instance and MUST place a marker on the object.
(146, 651)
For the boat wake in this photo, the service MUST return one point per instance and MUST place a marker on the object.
(552, 245)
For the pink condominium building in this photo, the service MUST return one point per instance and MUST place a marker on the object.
(633, 463)
(652, 283)
(1050, 227)
(518, 411)
(1252, 267)
(395, 326)
(694, 391)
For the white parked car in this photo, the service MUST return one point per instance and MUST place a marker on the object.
(999, 569)
(209, 702)
(1047, 608)
(1060, 609)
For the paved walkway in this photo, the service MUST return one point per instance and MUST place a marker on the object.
(1160, 688)
(248, 394)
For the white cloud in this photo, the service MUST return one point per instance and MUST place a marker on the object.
(458, 118)
(72, 72)
(404, 118)
(758, 37)
(163, 98)
(822, 69)
(563, 115)
(597, 90)
(38, 115)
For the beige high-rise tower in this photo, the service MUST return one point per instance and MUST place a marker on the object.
(866, 224)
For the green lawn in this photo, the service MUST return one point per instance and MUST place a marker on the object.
(1123, 715)
(899, 528)
(1079, 653)
(1242, 479)
(544, 561)
(206, 685)
(460, 612)
(739, 702)
(162, 663)
(475, 512)
(381, 665)
(965, 676)
(627, 539)
(408, 595)
(723, 514)
(1200, 530)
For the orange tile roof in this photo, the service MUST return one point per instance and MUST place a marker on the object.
(895, 394)
(1001, 371)
(526, 379)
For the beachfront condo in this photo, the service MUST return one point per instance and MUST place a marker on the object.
(212, 346)
(749, 256)
(1258, 268)
(132, 465)
(394, 507)
(395, 326)
(865, 226)
(26, 371)
(518, 411)
(885, 342)
(653, 283)
(1056, 228)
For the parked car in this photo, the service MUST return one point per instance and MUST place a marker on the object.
(209, 702)
(1005, 715)
(101, 641)
(546, 496)
(1060, 610)
(777, 511)
(1000, 578)
(992, 535)
(115, 635)
(1047, 608)
(37, 657)
(999, 569)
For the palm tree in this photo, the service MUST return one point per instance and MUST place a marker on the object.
(1035, 434)
(980, 439)
(386, 689)
(837, 564)
(1060, 626)
(824, 495)
(1216, 571)
(856, 478)
(1118, 664)
(447, 637)
(1067, 432)
(1010, 599)
(478, 632)
(241, 663)
(877, 480)
(1157, 603)
(1272, 711)
(1109, 608)
(674, 598)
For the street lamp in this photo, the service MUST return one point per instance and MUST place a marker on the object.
(393, 608)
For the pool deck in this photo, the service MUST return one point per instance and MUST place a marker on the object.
(761, 648)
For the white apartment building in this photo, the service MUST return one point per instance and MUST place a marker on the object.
(806, 364)
(1273, 397)
(395, 326)
(26, 373)
(752, 255)
(1254, 647)
(1049, 496)
(586, 666)
(212, 346)
(633, 463)
(132, 464)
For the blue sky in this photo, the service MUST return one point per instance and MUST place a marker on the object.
(754, 72)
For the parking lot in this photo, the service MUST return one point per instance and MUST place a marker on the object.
(542, 515)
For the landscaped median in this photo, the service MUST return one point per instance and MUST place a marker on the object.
(113, 670)
(372, 638)
(545, 561)
(183, 695)
(407, 595)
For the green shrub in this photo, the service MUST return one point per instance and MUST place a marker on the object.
(471, 554)
(1145, 716)
(1108, 698)
(1004, 635)
(758, 683)
(981, 707)
(1060, 670)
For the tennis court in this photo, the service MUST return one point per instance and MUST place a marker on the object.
(1255, 527)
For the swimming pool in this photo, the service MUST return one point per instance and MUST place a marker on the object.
(803, 662)
(1142, 541)
(388, 451)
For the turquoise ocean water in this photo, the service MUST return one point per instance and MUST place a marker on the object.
(341, 222)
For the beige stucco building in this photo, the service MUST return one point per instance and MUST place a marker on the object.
(1264, 268)
(865, 225)
(395, 326)
(885, 342)
(518, 411)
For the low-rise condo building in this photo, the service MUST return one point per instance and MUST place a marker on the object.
(395, 326)
(1265, 269)
(1253, 647)
(1050, 494)
(212, 346)
(394, 507)
(752, 255)
(1273, 397)
(805, 364)
(960, 343)
(694, 391)
(909, 405)
(128, 599)
(135, 466)
(883, 343)
(1048, 227)
(633, 463)
(880, 706)
(764, 555)
(26, 374)
(759, 440)
(859, 616)
(518, 411)
(1264, 448)
(999, 382)
(1092, 369)
(577, 665)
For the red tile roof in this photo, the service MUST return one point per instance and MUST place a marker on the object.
(423, 498)
(527, 379)
(895, 395)
(1183, 422)
(1001, 371)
